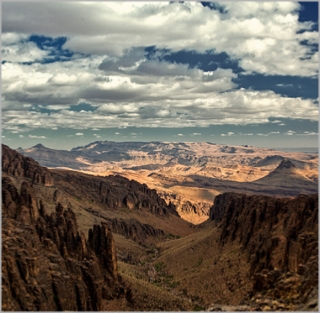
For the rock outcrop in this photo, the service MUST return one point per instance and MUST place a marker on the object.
(15, 164)
(113, 192)
(47, 265)
(221, 202)
(184, 206)
(131, 228)
(279, 238)
(135, 230)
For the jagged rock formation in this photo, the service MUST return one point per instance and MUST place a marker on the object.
(135, 230)
(47, 262)
(13, 163)
(130, 228)
(47, 265)
(200, 209)
(279, 238)
(113, 192)
(255, 253)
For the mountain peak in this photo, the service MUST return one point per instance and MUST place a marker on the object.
(39, 145)
(286, 163)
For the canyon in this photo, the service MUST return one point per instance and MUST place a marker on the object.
(76, 241)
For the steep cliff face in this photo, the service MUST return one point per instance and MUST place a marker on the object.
(279, 238)
(143, 197)
(221, 202)
(47, 265)
(114, 192)
(135, 230)
(187, 206)
(263, 224)
(13, 163)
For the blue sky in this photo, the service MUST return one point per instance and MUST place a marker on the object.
(229, 72)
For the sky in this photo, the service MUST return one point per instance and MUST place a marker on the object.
(225, 72)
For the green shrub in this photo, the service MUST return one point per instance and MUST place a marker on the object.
(159, 266)
(197, 307)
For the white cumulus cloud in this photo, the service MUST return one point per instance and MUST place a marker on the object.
(38, 137)
(264, 37)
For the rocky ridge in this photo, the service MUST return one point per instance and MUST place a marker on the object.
(113, 191)
(15, 164)
(47, 264)
(184, 206)
(279, 238)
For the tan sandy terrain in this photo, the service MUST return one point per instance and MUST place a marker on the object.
(191, 174)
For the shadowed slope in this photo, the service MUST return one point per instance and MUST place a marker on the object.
(286, 174)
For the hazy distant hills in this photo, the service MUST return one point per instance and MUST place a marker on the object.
(52, 158)
(156, 152)
(151, 153)
(191, 174)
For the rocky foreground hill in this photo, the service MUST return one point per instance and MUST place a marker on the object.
(279, 239)
(73, 241)
(47, 264)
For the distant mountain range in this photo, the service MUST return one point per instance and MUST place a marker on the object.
(191, 174)
(157, 152)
